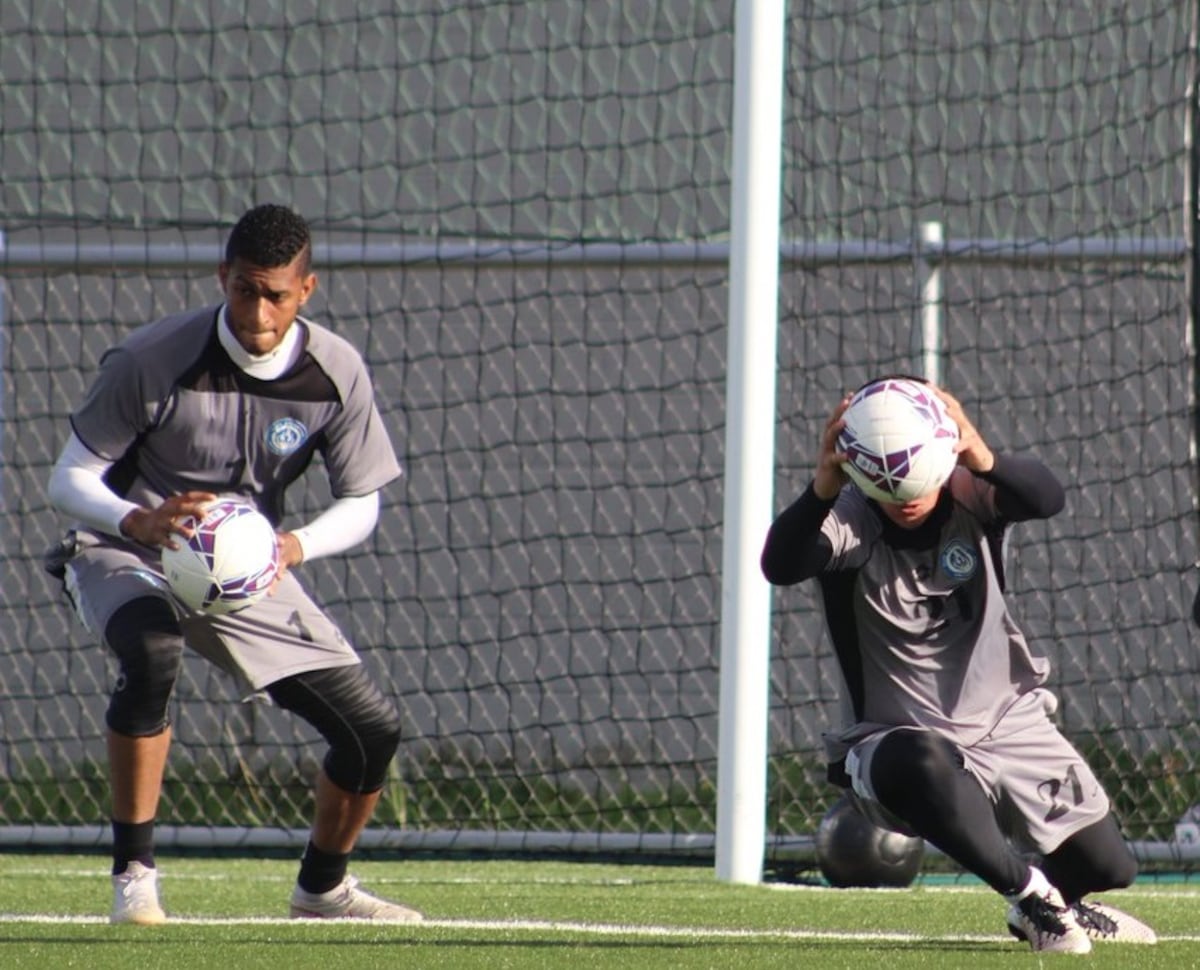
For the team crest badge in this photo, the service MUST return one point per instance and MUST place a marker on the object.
(285, 435)
(959, 560)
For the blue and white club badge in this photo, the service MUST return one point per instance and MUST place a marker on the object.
(959, 560)
(285, 435)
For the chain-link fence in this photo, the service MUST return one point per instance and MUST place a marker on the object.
(539, 196)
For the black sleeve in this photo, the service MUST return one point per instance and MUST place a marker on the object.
(795, 549)
(1025, 488)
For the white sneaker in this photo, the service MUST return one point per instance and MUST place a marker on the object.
(1107, 924)
(1041, 918)
(347, 901)
(135, 897)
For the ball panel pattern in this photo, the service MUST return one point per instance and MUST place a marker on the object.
(898, 439)
(230, 561)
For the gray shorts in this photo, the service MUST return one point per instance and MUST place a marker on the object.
(280, 635)
(1042, 789)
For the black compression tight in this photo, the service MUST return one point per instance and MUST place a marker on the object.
(919, 777)
(1091, 861)
(352, 714)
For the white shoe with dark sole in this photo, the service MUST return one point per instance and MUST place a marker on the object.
(348, 901)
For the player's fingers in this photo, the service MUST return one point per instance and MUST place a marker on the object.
(288, 550)
(835, 423)
(181, 508)
(967, 433)
(947, 398)
(830, 436)
(190, 503)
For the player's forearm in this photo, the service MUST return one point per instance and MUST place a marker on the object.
(795, 549)
(1025, 488)
(77, 489)
(346, 523)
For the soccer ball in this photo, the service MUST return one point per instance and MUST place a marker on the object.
(853, 851)
(898, 440)
(230, 561)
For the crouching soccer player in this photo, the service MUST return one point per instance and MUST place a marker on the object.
(237, 397)
(949, 735)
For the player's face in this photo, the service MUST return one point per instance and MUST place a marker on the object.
(263, 303)
(912, 514)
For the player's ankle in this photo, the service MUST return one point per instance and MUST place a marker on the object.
(1036, 884)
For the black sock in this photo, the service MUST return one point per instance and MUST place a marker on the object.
(132, 842)
(321, 871)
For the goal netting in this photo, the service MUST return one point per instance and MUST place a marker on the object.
(522, 213)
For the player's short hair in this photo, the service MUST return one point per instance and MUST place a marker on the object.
(893, 377)
(269, 236)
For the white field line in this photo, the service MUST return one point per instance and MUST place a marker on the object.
(530, 926)
(546, 926)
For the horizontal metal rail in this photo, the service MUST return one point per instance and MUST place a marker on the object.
(90, 256)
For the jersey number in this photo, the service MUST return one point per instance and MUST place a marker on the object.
(1063, 794)
(302, 630)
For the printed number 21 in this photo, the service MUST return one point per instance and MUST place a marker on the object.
(1062, 794)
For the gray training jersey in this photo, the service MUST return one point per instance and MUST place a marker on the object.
(175, 413)
(923, 634)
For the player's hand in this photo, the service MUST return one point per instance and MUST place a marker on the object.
(156, 527)
(973, 452)
(830, 477)
(291, 553)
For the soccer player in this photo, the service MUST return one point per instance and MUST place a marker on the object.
(235, 398)
(948, 734)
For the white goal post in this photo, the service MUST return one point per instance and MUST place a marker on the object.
(759, 34)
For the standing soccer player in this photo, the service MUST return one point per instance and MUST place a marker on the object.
(949, 733)
(235, 398)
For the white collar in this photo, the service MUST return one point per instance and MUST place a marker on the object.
(268, 366)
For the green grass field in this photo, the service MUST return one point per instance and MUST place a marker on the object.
(229, 914)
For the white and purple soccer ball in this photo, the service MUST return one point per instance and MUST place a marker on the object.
(229, 563)
(898, 439)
